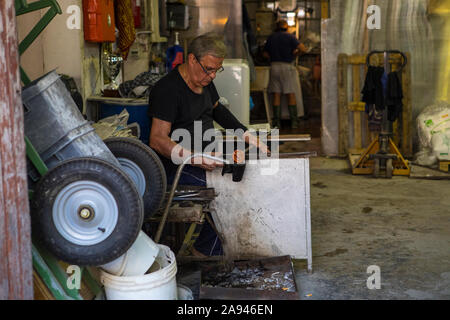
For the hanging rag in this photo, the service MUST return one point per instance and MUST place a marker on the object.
(381, 89)
(373, 97)
(140, 86)
(373, 88)
(394, 96)
(125, 24)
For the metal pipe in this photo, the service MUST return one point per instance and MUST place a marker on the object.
(174, 186)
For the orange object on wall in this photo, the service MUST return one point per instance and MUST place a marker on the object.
(98, 20)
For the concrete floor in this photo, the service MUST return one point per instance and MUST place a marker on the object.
(401, 225)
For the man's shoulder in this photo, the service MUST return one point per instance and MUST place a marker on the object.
(287, 35)
(170, 79)
(166, 87)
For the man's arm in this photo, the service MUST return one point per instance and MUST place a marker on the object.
(300, 49)
(161, 142)
(159, 137)
(226, 119)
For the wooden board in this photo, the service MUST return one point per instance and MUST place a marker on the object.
(357, 130)
(419, 172)
(342, 104)
(41, 291)
(16, 270)
(444, 165)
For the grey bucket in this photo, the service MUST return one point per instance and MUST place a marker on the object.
(55, 126)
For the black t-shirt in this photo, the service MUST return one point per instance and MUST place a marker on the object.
(280, 46)
(172, 100)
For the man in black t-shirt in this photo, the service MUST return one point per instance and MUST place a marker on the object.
(183, 99)
(281, 48)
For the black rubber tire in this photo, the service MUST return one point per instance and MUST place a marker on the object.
(148, 161)
(376, 168)
(130, 211)
(389, 168)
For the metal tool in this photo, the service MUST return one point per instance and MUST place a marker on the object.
(383, 159)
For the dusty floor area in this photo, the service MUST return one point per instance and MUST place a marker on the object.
(401, 225)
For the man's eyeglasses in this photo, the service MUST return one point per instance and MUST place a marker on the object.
(209, 71)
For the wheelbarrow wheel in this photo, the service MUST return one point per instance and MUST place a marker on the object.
(86, 211)
(144, 167)
(389, 168)
(376, 168)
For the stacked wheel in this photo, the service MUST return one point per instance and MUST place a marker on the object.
(144, 167)
(86, 211)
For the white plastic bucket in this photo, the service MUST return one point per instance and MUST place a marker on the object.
(158, 284)
(184, 293)
(137, 260)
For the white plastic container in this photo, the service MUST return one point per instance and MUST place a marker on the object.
(137, 260)
(234, 84)
(158, 284)
(184, 293)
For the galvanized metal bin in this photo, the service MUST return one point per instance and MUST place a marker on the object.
(55, 126)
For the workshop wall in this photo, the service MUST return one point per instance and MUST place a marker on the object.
(421, 28)
(32, 60)
(58, 47)
(62, 48)
(221, 16)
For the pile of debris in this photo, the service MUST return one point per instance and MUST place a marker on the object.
(256, 278)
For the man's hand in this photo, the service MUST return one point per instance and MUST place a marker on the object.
(206, 163)
(254, 141)
(300, 49)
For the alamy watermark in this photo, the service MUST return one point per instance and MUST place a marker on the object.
(226, 145)
(374, 17)
(73, 22)
(74, 280)
(374, 280)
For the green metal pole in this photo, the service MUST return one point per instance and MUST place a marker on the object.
(58, 272)
(47, 276)
(37, 29)
(23, 77)
(34, 157)
(22, 7)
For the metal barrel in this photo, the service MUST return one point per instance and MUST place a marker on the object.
(55, 126)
